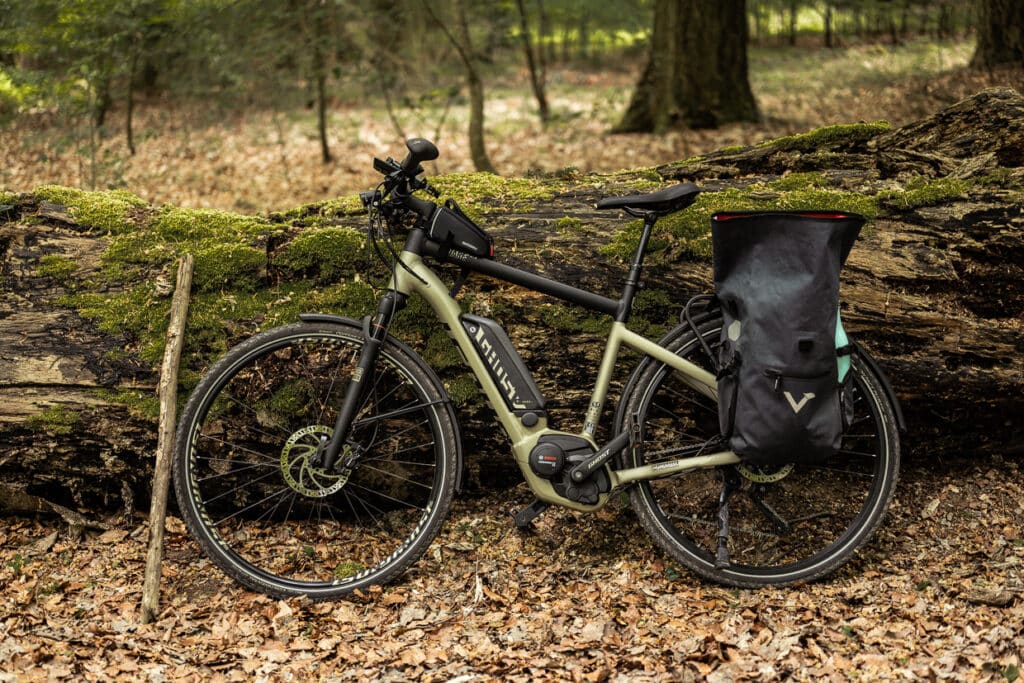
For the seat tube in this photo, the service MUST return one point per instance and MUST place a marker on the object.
(604, 377)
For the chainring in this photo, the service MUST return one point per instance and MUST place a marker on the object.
(760, 476)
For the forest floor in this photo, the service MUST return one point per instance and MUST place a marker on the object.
(936, 595)
(201, 154)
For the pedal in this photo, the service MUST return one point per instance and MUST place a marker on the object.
(524, 517)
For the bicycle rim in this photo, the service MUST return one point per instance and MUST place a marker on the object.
(830, 509)
(257, 501)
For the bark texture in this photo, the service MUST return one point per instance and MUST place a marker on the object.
(1000, 34)
(934, 289)
(696, 76)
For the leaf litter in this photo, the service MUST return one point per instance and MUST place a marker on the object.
(936, 595)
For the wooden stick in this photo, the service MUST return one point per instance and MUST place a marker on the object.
(165, 442)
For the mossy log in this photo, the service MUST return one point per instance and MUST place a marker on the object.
(933, 289)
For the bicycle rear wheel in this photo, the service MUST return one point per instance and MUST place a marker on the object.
(794, 524)
(249, 487)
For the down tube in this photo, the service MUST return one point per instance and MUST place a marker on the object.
(430, 287)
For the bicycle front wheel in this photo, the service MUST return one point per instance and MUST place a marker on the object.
(797, 523)
(250, 489)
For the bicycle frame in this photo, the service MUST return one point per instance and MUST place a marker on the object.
(417, 277)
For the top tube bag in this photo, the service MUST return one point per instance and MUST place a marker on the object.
(783, 361)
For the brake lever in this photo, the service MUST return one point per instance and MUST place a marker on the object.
(422, 184)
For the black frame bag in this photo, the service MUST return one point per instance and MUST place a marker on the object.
(780, 383)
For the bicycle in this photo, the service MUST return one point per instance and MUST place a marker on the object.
(321, 457)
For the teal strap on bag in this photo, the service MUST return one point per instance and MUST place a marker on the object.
(842, 349)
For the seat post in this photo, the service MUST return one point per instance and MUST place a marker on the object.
(633, 279)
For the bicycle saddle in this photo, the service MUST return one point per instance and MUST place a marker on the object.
(669, 200)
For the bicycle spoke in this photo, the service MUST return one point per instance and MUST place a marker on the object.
(230, 444)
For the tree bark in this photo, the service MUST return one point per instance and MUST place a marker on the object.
(1000, 34)
(535, 64)
(463, 45)
(934, 289)
(696, 75)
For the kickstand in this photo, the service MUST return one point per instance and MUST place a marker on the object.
(730, 484)
(524, 517)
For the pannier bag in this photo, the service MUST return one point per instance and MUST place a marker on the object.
(783, 359)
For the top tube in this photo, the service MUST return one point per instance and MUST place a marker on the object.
(506, 273)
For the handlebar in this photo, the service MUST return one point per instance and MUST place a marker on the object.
(420, 149)
(401, 179)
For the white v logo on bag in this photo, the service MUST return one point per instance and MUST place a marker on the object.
(796, 406)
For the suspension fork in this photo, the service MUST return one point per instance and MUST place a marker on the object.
(375, 330)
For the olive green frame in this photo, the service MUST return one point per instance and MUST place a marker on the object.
(417, 277)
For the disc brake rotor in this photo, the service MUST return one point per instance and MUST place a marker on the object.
(297, 464)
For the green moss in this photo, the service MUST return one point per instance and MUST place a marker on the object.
(289, 399)
(688, 232)
(347, 569)
(354, 298)
(192, 225)
(568, 224)
(442, 353)
(228, 266)
(925, 192)
(54, 420)
(324, 254)
(57, 267)
(222, 244)
(828, 137)
(798, 181)
(320, 214)
(732, 149)
(1002, 178)
(135, 313)
(464, 390)
(569, 319)
(655, 311)
(349, 205)
(475, 192)
(109, 211)
(6, 197)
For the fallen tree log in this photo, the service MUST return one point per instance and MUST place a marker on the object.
(933, 289)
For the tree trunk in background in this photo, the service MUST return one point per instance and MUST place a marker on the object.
(696, 76)
(534, 62)
(320, 36)
(794, 10)
(130, 104)
(934, 289)
(463, 44)
(829, 39)
(1000, 34)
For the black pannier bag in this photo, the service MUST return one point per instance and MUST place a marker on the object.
(783, 360)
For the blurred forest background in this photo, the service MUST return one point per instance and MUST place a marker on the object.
(248, 105)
